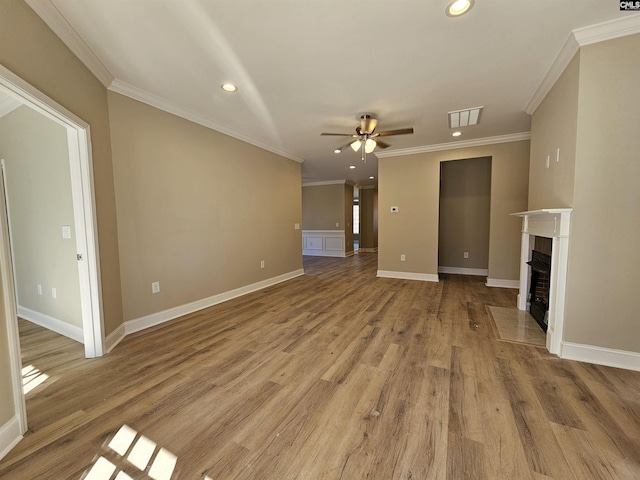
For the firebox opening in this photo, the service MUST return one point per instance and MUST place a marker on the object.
(540, 264)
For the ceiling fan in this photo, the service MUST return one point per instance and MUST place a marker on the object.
(366, 138)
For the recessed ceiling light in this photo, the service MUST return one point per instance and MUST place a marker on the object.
(337, 150)
(456, 134)
(352, 167)
(458, 7)
(229, 87)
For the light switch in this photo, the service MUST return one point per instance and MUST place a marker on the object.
(66, 231)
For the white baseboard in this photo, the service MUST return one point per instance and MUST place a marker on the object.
(601, 356)
(501, 283)
(482, 272)
(324, 253)
(114, 338)
(425, 277)
(10, 435)
(142, 323)
(350, 254)
(368, 250)
(63, 328)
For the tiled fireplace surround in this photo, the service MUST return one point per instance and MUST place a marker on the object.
(550, 223)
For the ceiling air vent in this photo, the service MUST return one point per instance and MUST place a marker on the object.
(465, 117)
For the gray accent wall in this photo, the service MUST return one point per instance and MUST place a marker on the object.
(465, 206)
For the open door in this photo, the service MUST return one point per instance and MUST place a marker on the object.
(83, 204)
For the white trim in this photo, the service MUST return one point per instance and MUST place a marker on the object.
(83, 195)
(114, 338)
(581, 37)
(481, 272)
(502, 283)
(477, 142)
(327, 182)
(564, 56)
(61, 27)
(601, 356)
(424, 277)
(51, 323)
(148, 321)
(10, 314)
(367, 250)
(601, 32)
(118, 86)
(8, 105)
(9, 436)
(324, 243)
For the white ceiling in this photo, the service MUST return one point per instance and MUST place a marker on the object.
(306, 67)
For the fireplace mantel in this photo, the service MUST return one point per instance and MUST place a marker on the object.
(550, 223)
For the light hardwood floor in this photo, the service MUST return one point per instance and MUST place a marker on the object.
(333, 375)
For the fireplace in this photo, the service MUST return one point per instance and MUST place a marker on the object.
(543, 270)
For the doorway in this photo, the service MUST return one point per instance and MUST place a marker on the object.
(83, 224)
(465, 203)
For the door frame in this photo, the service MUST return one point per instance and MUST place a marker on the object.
(82, 190)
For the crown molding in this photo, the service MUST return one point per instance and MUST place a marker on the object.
(564, 56)
(155, 101)
(602, 32)
(8, 105)
(328, 182)
(581, 37)
(57, 22)
(476, 142)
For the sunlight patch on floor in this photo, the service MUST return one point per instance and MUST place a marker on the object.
(32, 378)
(137, 451)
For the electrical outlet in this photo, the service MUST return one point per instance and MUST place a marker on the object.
(261, 263)
(155, 287)
(337, 224)
(402, 257)
(466, 255)
(558, 155)
(548, 156)
(54, 292)
(296, 226)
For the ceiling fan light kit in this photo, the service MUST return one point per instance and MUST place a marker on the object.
(366, 138)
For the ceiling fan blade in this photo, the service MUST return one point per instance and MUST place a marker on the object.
(367, 124)
(400, 131)
(382, 144)
(340, 134)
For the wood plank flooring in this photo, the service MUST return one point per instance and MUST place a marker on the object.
(334, 375)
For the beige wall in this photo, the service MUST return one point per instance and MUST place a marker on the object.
(412, 183)
(197, 210)
(554, 127)
(605, 226)
(323, 207)
(39, 195)
(368, 218)
(33, 52)
(465, 204)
